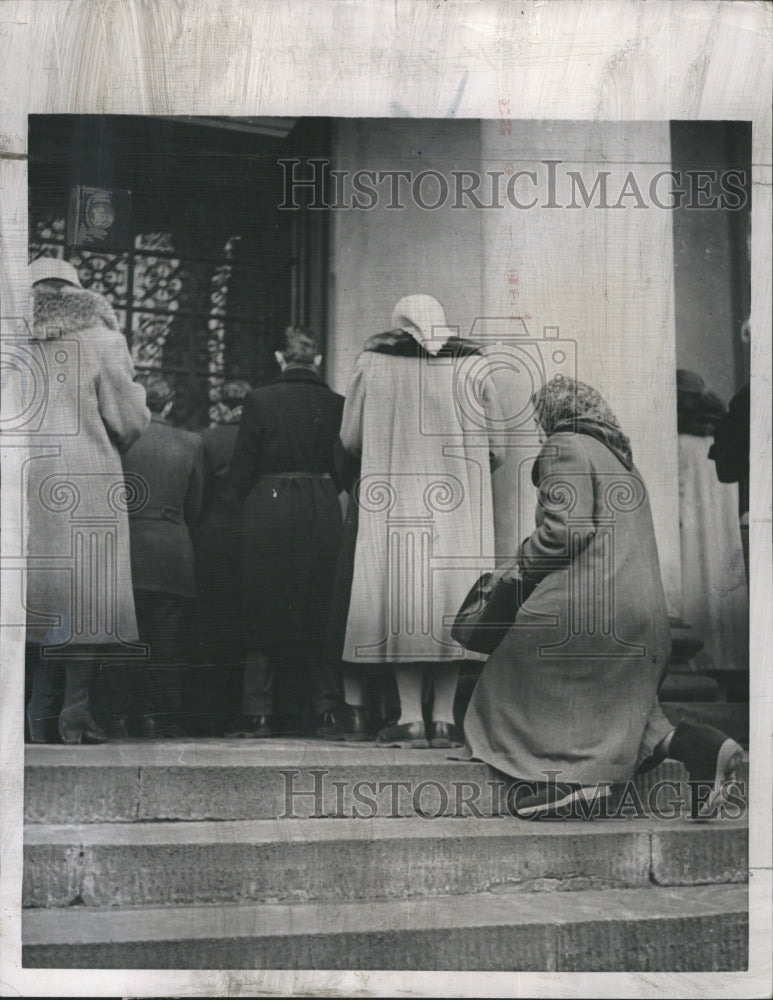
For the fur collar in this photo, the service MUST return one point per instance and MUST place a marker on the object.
(58, 314)
(400, 344)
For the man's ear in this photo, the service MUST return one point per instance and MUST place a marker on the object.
(280, 360)
(317, 360)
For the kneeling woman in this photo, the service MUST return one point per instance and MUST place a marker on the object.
(569, 698)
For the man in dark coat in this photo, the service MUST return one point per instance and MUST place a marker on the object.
(218, 551)
(164, 474)
(291, 531)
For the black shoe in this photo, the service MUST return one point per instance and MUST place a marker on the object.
(355, 724)
(409, 736)
(42, 730)
(327, 727)
(711, 758)
(117, 727)
(77, 726)
(552, 800)
(155, 728)
(249, 727)
(446, 735)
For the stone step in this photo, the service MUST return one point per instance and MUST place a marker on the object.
(701, 928)
(135, 781)
(151, 864)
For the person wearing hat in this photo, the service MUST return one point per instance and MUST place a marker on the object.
(169, 462)
(80, 605)
(218, 547)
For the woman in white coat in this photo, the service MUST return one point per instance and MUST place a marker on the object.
(80, 604)
(421, 414)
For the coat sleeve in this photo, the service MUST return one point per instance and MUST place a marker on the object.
(121, 400)
(194, 497)
(245, 461)
(565, 509)
(354, 409)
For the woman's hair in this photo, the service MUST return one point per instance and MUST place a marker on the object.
(299, 345)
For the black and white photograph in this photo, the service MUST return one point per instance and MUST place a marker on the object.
(386, 500)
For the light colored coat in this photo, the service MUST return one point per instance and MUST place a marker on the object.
(422, 428)
(79, 586)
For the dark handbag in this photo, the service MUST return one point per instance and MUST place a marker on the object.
(487, 613)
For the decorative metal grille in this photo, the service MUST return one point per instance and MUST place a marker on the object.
(172, 308)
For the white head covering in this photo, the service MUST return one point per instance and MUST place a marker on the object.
(424, 318)
(45, 268)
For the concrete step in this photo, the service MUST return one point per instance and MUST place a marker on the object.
(151, 864)
(702, 928)
(729, 716)
(135, 781)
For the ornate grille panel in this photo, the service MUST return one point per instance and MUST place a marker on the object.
(173, 308)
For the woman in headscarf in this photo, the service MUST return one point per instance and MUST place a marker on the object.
(569, 698)
(80, 604)
(420, 412)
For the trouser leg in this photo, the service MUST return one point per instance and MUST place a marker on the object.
(656, 729)
(410, 679)
(76, 722)
(118, 686)
(326, 686)
(163, 617)
(43, 706)
(258, 685)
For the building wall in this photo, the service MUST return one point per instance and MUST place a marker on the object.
(380, 254)
(602, 277)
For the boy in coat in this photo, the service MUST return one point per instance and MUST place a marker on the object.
(164, 472)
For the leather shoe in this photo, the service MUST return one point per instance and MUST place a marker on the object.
(154, 728)
(355, 724)
(43, 730)
(249, 727)
(446, 735)
(408, 736)
(77, 726)
(327, 727)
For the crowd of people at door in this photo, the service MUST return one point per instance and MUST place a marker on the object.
(220, 590)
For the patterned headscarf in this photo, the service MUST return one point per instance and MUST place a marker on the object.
(564, 404)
